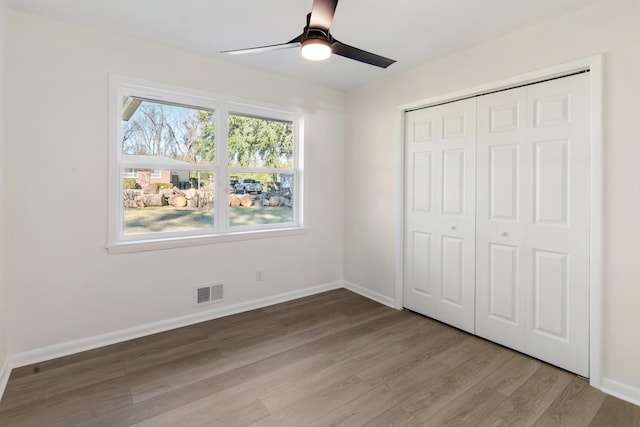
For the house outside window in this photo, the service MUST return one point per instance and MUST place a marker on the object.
(191, 169)
(130, 173)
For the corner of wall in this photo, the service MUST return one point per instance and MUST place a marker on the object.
(4, 365)
(372, 295)
(5, 372)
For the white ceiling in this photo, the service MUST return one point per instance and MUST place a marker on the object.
(409, 31)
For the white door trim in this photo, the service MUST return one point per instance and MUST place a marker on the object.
(595, 66)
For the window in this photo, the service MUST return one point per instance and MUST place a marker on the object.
(188, 168)
(260, 156)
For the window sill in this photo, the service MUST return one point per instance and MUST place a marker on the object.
(210, 239)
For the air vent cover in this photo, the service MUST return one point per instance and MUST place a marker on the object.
(208, 294)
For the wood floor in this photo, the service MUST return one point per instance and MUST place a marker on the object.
(331, 359)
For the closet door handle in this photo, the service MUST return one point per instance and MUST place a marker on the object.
(502, 233)
(452, 227)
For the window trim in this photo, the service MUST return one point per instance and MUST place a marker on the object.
(221, 231)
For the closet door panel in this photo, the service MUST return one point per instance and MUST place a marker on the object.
(533, 221)
(421, 264)
(501, 270)
(456, 224)
(503, 182)
(557, 310)
(452, 280)
(550, 305)
(422, 172)
(503, 284)
(421, 130)
(550, 181)
(453, 182)
(439, 213)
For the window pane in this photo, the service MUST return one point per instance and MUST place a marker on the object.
(258, 198)
(166, 136)
(257, 142)
(167, 156)
(161, 207)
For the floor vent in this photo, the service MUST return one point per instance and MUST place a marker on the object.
(208, 294)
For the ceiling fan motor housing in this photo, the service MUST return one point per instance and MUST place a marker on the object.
(316, 44)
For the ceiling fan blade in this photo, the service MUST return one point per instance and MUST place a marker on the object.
(322, 13)
(291, 44)
(351, 52)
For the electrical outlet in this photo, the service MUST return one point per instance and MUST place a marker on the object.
(259, 275)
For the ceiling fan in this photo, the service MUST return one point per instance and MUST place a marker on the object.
(316, 41)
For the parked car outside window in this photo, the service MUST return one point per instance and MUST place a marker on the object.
(244, 186)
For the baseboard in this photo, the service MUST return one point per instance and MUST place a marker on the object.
(609, 386)
(77, 346)
(620, 390)
(5, 371)
(71, 347)
(382, 299)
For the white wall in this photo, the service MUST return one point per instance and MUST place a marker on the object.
(66, 285)
(372, 132)
(3, 205)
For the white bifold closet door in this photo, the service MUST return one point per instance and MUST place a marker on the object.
(533, 181)
(439, 210)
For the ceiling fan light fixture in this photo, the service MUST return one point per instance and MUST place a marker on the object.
(316, 49)
(317, 42)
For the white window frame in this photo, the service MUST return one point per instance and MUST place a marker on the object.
(221, 231)
(155, 173)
